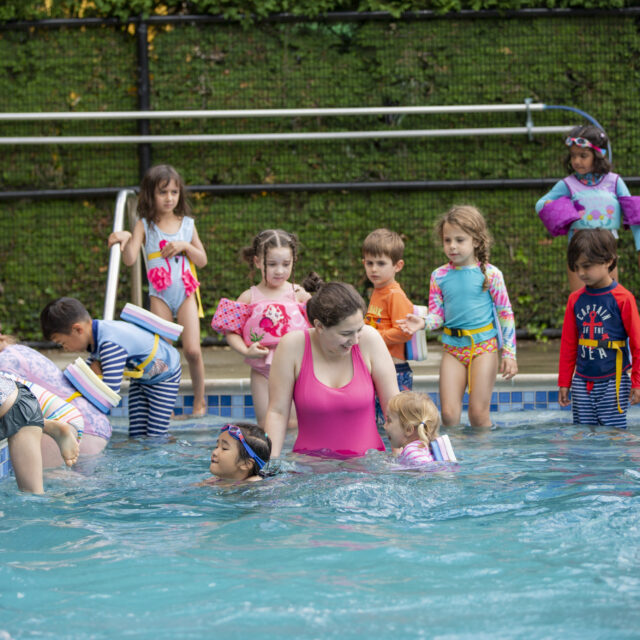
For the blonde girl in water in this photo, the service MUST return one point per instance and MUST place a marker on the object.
(172, 245)
(466, 295)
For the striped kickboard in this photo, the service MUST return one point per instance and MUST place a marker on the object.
(416, 348)
(442, 449)
(150, 321)
(90, 386)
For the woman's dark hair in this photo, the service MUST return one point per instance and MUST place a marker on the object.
(269, 239)
(597, 246)
(258, 440)
(161, 175)
(601, 164)
(332, 302)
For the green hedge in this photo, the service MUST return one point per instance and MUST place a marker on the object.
(58, 247)
(249, 10)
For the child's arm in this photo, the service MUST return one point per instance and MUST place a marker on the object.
(113, 359)
(130, 244)
(568, 347)
(194, 250)
(500, 297)
(302, 295)
(559, 190)
(399, 307)
(563, 397)
(435, 317)
(236, 341)
(631, 322)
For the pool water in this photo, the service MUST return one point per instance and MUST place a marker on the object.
(535, 534)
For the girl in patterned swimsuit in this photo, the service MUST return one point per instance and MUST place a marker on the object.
(173, 248)
(465, 296)
(275, 307)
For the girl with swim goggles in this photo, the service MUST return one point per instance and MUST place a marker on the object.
(241, 453)
(592, 196)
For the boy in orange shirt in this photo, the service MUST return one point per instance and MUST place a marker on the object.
(382, 253)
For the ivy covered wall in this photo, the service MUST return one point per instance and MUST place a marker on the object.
(55, 247)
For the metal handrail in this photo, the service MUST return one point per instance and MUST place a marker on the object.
(269, 113)
(125, 201)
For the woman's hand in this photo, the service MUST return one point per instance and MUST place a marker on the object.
(508, 368)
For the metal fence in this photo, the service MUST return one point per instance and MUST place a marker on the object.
(56, 201)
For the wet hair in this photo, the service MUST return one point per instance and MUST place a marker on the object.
(159, 176)
(383, 242)
(259, 441)
(472, 222)
(416, 410)
(60, 315)
(594, 135)
(269, 239)
(331, 302)
(597, 246)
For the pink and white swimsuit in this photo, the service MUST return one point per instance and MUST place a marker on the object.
(415, 453)
(269, 321)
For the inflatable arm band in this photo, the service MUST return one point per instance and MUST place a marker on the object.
(558, 215)
(630, 206)
(230, 316)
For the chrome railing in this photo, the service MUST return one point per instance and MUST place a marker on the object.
(125, 203)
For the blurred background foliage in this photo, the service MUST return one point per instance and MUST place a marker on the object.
(55, 246)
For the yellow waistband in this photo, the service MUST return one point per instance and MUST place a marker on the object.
(609, 344)
(139, 370)
(459, 333)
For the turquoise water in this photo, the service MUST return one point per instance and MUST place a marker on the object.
(535, 534)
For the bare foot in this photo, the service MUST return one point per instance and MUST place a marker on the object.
(65, 435)
(196, 413)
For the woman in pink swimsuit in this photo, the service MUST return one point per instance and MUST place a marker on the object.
(331, 372)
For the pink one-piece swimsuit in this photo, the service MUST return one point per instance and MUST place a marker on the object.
(336, 423)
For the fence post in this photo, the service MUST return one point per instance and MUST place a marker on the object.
(144, 93)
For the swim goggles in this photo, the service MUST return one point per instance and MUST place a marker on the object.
(236, 433)
(583, 142)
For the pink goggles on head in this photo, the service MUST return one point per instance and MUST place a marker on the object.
(583, 142)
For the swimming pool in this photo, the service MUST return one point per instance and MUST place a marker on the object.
(535, 534)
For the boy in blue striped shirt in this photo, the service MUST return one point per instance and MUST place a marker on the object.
(119, 349)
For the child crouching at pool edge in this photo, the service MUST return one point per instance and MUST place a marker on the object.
(241, 453)
(412, 424)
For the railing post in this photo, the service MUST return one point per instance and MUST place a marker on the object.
(144, 95)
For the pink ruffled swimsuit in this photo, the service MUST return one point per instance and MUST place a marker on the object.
(269, 321)
(337, 423)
